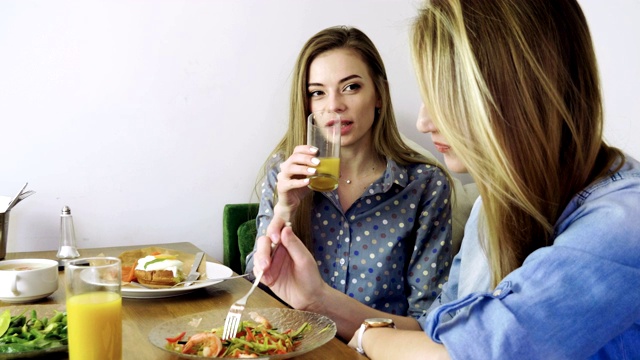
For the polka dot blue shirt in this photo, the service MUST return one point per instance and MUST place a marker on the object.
(391, 249)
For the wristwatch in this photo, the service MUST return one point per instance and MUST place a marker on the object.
(369, 323)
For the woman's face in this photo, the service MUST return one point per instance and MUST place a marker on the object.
(339, 80)
(425, 125)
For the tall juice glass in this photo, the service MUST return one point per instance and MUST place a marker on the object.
(323, 132)
(94, 308)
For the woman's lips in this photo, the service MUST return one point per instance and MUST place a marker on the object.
(441, 147)
(345, 127)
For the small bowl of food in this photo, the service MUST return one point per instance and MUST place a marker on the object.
(27, 280)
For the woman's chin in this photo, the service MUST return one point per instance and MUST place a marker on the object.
(454, 164)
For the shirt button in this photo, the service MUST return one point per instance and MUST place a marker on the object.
(497, 292)
(342, 261)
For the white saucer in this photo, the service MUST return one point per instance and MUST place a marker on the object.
(24, 299)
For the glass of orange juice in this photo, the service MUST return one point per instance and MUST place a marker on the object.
(323, 132)
(94, 308)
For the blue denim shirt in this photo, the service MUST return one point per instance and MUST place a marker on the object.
(391, 249)
(576, 299)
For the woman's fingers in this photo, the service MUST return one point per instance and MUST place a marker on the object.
(300, 161)
(293, 178)
(264, 244)
(262, 257)
(296, 249)
(294, 171)
(275, 227)
(305, 149)
(288, 181)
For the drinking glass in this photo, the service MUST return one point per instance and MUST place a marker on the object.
(94, 308)
(323, 132)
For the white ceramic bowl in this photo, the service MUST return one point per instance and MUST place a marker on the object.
(26, 280)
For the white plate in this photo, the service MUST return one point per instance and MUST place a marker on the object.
(214, 271)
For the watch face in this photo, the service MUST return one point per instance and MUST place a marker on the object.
(379, 322)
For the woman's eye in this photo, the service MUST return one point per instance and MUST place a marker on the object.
(315, 93)
(352, 87)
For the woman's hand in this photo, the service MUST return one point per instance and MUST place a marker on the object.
(292, 273)
(293, 180)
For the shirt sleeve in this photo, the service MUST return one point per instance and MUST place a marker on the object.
(470, 250)
(267, 203)
(449, 291)
(567, 301)
(432, 254)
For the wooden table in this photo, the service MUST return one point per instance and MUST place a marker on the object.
(141, 315)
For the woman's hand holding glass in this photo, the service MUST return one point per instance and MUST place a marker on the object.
(293, 179)
(314, 166)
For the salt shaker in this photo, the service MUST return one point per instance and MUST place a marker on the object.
(67, 249)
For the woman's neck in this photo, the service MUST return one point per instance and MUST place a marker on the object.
(359, 163)
(358, 170)
(358, 159)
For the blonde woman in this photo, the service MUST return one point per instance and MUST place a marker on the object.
(549, 265)
(380, 244)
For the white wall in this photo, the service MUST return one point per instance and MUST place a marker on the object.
(146, 117)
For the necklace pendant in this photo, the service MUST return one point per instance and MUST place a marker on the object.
(348, 181)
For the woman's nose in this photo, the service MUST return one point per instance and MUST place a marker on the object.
(424, 123)
(336, 103)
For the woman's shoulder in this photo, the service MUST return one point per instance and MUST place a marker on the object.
(421, 170)
(416, 176)
(608, 206)
(275, 160)
(630, 169)
(271, 168)
(622, 179)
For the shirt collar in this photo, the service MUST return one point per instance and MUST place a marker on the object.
(393, 174)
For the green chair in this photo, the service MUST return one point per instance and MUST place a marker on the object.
(238, 234)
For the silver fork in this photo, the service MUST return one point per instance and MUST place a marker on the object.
(232, 321)
(211, 280)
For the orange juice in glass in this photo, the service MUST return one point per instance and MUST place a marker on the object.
(327, 174)
(323, 132)
(94, 308)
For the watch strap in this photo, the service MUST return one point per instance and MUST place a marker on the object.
(372, 322)
(363, 327)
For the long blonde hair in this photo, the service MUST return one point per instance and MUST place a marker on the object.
(386, 137)
(513, 86)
